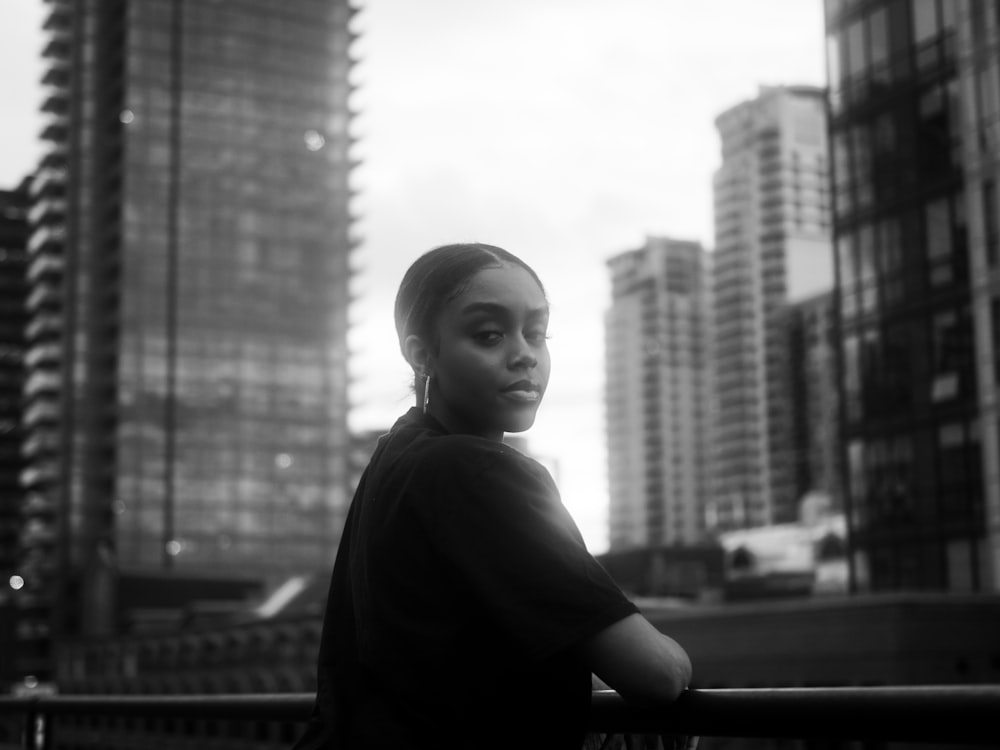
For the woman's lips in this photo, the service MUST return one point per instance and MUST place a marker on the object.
(525, 396)
(523, 390)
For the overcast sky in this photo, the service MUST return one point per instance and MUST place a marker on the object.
(563, 130)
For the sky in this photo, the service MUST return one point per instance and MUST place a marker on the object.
(566, 131)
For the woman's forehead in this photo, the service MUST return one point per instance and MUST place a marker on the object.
(507, 285)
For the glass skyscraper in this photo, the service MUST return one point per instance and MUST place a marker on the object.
(914, 94)
(188, 270)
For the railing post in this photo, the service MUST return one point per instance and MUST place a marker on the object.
(36, 729)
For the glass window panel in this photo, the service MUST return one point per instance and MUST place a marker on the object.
(834, 70)
(861, 163)
(938, 229)
(842, 172)
(852, 378)
(925, 20)
(991, 227)
(856, 479)
(878, 39)
(857, 58)
(867, 274)
(899, 38)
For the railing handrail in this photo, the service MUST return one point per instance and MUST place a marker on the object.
(957, 714)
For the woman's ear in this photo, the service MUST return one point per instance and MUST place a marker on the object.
(417, 354)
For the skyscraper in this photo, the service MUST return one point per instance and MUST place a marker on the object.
(915, 137)
(13, 291)
(772, 246)
(188, 271)
(657, 388)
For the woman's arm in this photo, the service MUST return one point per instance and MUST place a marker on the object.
(642, 664)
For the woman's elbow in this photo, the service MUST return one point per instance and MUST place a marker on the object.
(661, 688)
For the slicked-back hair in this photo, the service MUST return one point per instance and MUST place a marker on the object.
(436, 278)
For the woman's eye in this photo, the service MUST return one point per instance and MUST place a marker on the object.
(536, 337)
(488, 337)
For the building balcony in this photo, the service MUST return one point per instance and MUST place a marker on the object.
(42, 381)
(58, 46)
(56, 104)
(57, 130)
(57, 76)
(40, 412)
(44, 295)
(36, 533)
(45, 264)
(38, 504)
(42, 326)
(47, 209)
(42, 474)
(48, 234)
(46, 180)
(42, 354)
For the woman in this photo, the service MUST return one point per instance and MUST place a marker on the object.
(464, 609)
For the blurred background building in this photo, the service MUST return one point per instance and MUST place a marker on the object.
(188, 267)
(657, 386)
(812, 354)
(772, 246)
(915, 134)
(13, 292)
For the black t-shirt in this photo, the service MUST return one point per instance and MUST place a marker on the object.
(460, 595)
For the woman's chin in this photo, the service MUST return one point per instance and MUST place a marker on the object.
(520, 423)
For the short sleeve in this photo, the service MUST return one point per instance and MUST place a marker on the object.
(500, 526)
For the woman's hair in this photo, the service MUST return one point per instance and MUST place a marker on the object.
(437, 277)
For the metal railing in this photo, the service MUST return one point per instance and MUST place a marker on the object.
(953, 715)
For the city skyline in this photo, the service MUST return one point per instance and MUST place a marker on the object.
(565, 154)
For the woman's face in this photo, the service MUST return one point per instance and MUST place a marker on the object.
(491, 364)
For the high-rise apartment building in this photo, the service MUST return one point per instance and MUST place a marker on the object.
(915, 127)
(772, 246)
(188, 271)
(657, 368)
(13, 291)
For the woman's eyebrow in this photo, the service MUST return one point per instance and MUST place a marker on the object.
(487, 307)
(495, 308)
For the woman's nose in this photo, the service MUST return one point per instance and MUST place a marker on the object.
(523, 355)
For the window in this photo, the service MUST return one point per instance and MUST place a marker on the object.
(852, 379)
(878, 45)
(995, 326)
(938, 238)
(991, 230)
(867, 271)
(862, 157)
(848, 274)
(988, 107)
(834, 71)
(890, 252)
(842, 173)
(926, 25)
(857, 58)
(934, 137)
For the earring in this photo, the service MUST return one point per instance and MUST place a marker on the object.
(427, 391)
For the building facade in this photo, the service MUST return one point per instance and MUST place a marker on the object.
(772, 246)
(914, 94)
(13, 292)
(657, 367)
(816, 445)
(188, 271)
